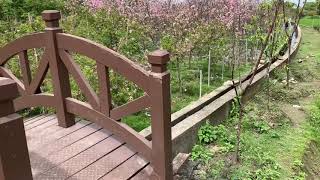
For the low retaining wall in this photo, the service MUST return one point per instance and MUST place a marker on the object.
(216, 105)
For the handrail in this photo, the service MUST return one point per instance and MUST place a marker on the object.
(35, 40)
(105, 56)
(58, 58)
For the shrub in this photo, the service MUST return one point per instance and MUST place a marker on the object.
(201, 153)
(208, 133)
(261, 126)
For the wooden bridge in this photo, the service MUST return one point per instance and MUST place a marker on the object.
(63, 147)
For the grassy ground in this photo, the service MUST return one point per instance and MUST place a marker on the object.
(190, 86)
(275, 143)
(310, 21)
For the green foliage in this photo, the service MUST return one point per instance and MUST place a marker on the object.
(310, 21)
(138, 121)
(265, 168)
(314, 116)
(269, 169)
(201, 153)
(216, 134)
(298, 169)
(19, 9)
(167, 42)
(206, 134)
(261, 126)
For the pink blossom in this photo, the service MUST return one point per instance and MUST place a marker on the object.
(95, 4)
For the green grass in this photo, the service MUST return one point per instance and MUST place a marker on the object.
(138, 121)
(272, 145)
(190, 83)
(310, 21)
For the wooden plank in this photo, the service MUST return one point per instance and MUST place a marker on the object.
(46, 130)
(127, 169)
(131, 107)
(32, 120)
(40, 164)
(104, 165)
(43, 126)
(144, 174)
(39, 122)
(65, 141)
(79, 131)
(82, 160)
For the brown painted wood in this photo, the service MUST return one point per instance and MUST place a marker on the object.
(35, 40)
(9, 91)
(131, 107)
(40, 165)
(60, 76)
(104, 165)
(81, 161)
(105, 56)
(104, 89)
(144, 174)
(7, 88)
(40, 74)
(38, 123)
(126, 170)
(43, 127)
(161, 115)
(35, 118)
(36, 100)
(48, 148)
(97, 155)
(82, 82)
(8, 74)
(45, 130)
(14, 157)
(60, 132)
(57, 45)
(121, 130)
(25, 68)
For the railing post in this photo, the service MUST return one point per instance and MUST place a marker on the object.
(161, 115)
(60, 75)
(14, 156)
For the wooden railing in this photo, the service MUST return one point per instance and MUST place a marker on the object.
(57, 57)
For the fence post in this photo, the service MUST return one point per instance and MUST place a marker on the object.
(161, 115)
(60, 75)
(14, 156)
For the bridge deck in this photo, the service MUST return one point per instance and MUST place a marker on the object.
(84, 151)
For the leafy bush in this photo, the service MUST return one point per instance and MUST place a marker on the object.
(261, 126)
(315, 117)
(208, 133)
(201, 153)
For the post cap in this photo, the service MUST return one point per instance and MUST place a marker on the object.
(51, 15)
(8, 89)
(159, 57)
